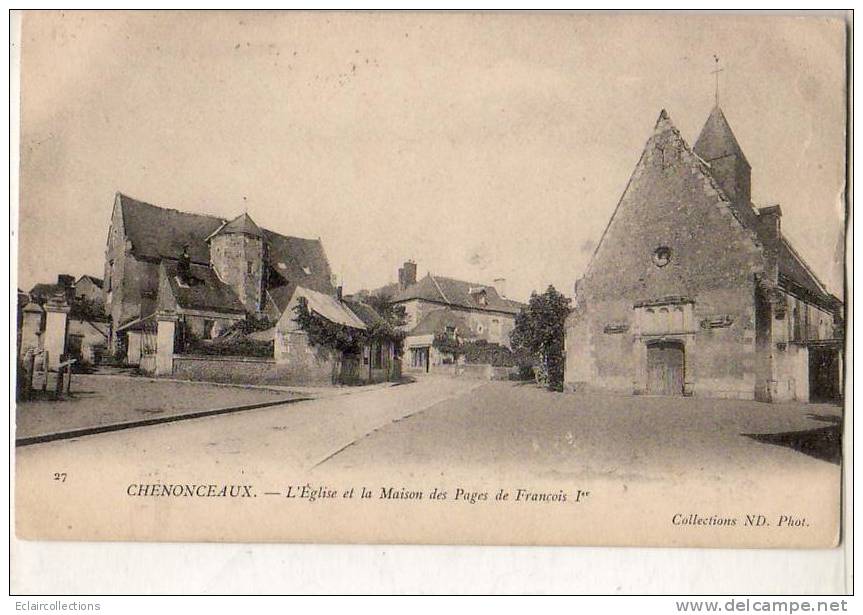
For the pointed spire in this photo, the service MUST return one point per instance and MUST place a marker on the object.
(242, 224)
(717, 140)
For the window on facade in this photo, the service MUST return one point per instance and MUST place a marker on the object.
(662, 256)
(665, 319)
(110, 275)
(209, 327)
(249, 267)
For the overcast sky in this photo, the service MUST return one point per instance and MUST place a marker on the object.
(481, 146)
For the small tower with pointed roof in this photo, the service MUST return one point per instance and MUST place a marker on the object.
(237, 257)
(717, 146)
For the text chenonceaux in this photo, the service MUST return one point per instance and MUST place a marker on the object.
(190, 490)
(312, 493)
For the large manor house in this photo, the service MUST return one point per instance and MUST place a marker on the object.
(693, 290)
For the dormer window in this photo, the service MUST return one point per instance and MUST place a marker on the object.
(480, 296)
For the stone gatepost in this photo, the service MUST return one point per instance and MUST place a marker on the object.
(31, 328)
(166, 323)
(54, 340)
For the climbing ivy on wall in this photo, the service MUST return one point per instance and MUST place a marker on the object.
(323, 333)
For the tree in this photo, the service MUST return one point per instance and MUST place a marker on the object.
(539, 332)
(394, 314)
(394, 317)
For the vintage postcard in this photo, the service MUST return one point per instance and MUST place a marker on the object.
(453, 278)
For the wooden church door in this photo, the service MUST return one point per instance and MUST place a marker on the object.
(665, 366)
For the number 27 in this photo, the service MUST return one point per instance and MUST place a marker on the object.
(60, 476)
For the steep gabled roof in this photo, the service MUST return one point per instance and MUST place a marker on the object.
(717, 140)
(96, 281)
(458, 293)
(157, 232)
(201, 290)
(302, 261)
(281, 296)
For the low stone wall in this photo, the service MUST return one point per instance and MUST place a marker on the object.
(246, 370)
(482, 371)
(439, 370)
(485, 371)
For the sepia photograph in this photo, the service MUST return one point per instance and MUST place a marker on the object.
(451, 278)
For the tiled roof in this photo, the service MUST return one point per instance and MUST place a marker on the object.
(330, 308)
(202, 290)
(364, 312)
(157, 232)
(458, 293)
(794, 268)
(301, 261)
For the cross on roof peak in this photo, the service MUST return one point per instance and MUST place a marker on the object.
(716, 72)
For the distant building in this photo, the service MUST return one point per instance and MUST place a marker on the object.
(65, 285)
(441, 305)
(693, 290)
(90, 288)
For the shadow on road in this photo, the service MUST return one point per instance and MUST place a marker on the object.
(824, 443)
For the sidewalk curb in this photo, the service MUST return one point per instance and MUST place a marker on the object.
(89, 431)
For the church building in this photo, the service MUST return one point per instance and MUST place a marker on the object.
(209, 271)
(693, 290)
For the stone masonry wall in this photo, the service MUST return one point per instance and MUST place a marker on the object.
(670, 202)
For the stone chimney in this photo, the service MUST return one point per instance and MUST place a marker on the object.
(500, 286)
(407, 274)
(771, 219)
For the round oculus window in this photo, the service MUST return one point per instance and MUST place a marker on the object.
(662, 256)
